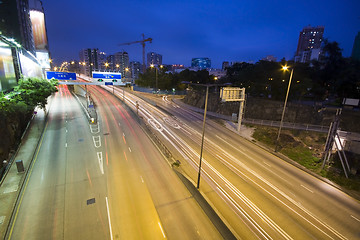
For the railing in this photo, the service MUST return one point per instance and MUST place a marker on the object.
(300, 126)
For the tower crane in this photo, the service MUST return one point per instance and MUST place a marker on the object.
(142, 42)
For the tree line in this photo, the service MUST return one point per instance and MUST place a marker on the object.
(332, 76)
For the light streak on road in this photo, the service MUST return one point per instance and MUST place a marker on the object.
(108, 213)
(162, 231)
(224, 187)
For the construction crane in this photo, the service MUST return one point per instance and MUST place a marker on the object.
(142, 42)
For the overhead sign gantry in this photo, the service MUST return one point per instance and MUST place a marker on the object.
(98, 78)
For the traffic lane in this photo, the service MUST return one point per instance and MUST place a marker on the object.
(303, 191)
(132, 213)
(211, 132)
(278, 206)
(46, 200)
(282, 230)
(85, 208)
(217, 173)
(269, 182)
(179, 212)
(318, 197)
(86, 216)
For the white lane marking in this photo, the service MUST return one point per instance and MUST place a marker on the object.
(108, 212)
(124, 134)
(290, 199)
(307, 188)
(119, 124)
(267, 164)
(101, 162)
(66, 145)
(95, 128)
(161, 230)
(129, 149)
(66, 130)
(186, 131)
(355, 218)
(142, 180)
(97, 141)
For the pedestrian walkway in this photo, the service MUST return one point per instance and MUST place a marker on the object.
(12, 182)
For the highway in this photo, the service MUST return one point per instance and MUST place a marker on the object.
(103, 181)
(255, 192)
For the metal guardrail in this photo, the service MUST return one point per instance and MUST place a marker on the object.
(300, 126)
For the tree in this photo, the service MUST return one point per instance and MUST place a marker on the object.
(34, 91)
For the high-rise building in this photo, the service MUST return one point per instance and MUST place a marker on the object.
(122, 61)
(225, 65)
(309, 45)
(154, 58)
(355, 54)
(15, 22)
(201, 63)
(110, 59)
(37, 17)
(135, 68)
(89, 60)
(102, 62)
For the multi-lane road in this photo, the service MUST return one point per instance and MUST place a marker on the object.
(103, 181)
(109, 181)
(256, 193)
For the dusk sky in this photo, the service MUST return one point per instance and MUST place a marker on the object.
(241, 30)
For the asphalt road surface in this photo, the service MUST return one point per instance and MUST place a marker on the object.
(257, 193)
(103, 181)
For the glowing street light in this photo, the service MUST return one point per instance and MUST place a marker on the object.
(156, 75)
(284, 68)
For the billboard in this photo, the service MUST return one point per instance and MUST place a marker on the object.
(232, 94)
(44, 59)
(29, 68)
(38, 29)
(61, 75)
(106, 76)
(7, 70)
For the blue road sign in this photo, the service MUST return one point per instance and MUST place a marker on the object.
(108, 83)
(61, 75)
(106, 76)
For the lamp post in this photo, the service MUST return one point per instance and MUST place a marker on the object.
(126, 70)
(156, 75)
(204, 121)
(203, 136)
(284, 68)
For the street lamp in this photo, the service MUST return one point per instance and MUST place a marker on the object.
(284, 68)
(156, 75)
(203, 128)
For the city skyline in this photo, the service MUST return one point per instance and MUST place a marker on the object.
(227, 31)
